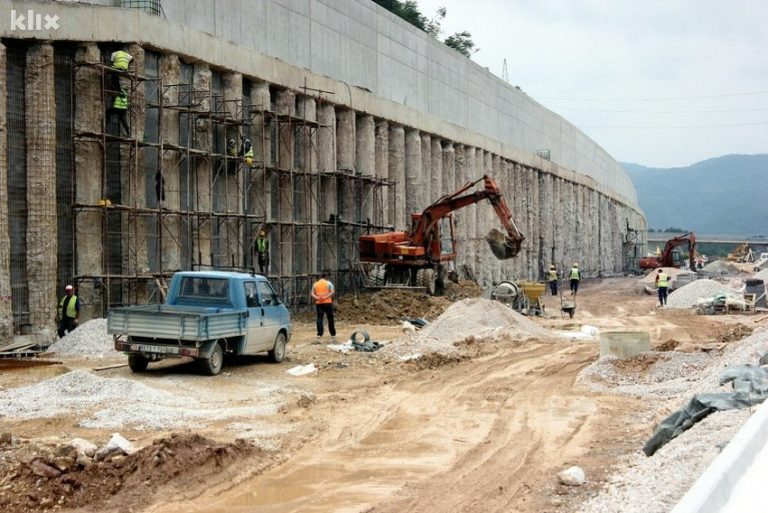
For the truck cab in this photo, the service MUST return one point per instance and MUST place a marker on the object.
(206, 315)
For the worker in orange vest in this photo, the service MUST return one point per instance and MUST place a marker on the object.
(322, 292)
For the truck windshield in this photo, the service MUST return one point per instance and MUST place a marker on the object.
(216, 289)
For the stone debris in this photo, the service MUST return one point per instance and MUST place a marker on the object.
(720, 267)
(117, 445)
(117, 403)
(688, 295)
(89, 340)
(656, 484)
(478, 319)
(573, 476)
(84, 447)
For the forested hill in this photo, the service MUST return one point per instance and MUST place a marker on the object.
(723, 195)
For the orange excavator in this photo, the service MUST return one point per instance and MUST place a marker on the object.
(419, 257)
(670, 257)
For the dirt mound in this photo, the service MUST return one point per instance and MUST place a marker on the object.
(121, 483)
(390, 306)
(732, 333)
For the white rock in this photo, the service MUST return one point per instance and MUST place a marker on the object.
(408, 327)
(116, 445)
(84, 447)
(302, 370)
(592, 331)
(573, 476)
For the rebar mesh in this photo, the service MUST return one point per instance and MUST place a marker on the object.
(64, 58)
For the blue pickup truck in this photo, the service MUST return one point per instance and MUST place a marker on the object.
(205, 316)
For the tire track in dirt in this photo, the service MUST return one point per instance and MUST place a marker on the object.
(518, 418)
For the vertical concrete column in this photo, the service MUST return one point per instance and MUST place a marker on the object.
(309, 186)
(258, 186)
(327, 202)
(460, 178)
(521, 216)
(508, 269)
(381, 206)
(285, 105)
(569, 240)
(535, 263)
(469, 214)
(557, 228)
(41, 185)
(365, 162)
(580, 232)
(436, 170)
(135, 257)
(497, 170)
(397, 206)
(448, 169)
(426, 170)
(6, 310)
(89, 114)
(546, 218)
(345, 139)
(203, 225)
(170, 73)
(413, 174)
(234, 186)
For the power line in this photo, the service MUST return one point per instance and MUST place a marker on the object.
(662, 111)
(681, 126)
(751, 93)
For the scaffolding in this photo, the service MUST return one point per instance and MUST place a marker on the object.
(206, 202)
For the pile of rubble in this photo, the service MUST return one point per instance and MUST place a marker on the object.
(77, 473)
(90, 339)
(688, 295)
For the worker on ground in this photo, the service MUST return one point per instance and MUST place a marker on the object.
(662, 285)
(575, 278)
(322, 292)
(262, 252)
(120, 61)
(68, 312)
(552, 279)
(120, 109)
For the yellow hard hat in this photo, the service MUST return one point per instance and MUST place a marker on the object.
(262, 232)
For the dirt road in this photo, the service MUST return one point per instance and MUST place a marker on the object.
(486, 432)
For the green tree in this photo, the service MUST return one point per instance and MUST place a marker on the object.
(409, 11)
(462, 43)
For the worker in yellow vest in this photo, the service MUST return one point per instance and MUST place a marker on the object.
(662, 285)
(120, 109)
(120, 62)
(575, 276)
(262, 252)
(323, 292)
(68, 313)
(552, 279)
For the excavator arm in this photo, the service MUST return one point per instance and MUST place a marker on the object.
(503, 246)
(687, 238)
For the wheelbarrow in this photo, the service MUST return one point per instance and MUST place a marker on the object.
(567, 307)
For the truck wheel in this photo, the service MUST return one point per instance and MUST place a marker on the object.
(213, 364)
(137, 362)
(277, 354)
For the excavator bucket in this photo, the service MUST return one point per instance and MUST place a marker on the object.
(503, 246)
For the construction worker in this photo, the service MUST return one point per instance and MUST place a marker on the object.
(120, 61)
(552, 279)
(68, 312)
(120, 109)
(662, 285)
(247, 152)
(575, 276)
(262, 252)
(322, 292)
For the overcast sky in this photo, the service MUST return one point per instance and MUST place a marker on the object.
(661, 83)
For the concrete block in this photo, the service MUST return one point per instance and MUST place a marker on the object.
(624, 344)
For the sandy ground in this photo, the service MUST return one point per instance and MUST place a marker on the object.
(484, 433)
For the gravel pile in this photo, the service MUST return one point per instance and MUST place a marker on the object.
(475, 317)
(720, 267)
(656, 484)
(687, 295)
(90, 339)
(122, 403)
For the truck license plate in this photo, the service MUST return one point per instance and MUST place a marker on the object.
(155, 349)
